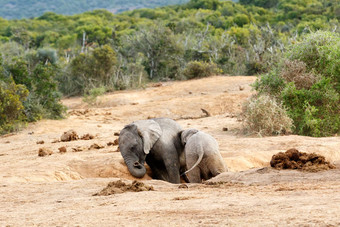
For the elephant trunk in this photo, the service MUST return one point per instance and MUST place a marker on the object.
(135, 168)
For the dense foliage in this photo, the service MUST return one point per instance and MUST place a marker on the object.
(78, 54)
(308, 84)
(16, 9)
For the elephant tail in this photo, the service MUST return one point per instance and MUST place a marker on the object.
(200, 157)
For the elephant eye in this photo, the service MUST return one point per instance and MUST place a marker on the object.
(133, 148)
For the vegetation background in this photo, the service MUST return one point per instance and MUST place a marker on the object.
(293, 45)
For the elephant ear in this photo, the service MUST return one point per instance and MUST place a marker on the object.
(150, 131)
(186, 134)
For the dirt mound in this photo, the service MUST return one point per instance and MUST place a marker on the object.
(119, 186)
(293, 159)
(69, 136)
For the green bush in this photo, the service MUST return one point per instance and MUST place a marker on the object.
(91, 97)
(315, 111)
(307, 83)
(320, 51)
(197, 69)
(270, 83)
(11, 108)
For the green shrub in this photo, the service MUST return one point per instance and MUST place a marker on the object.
(307, 83)
(264, 116)
(197, 69)
(270, 83)
(320, 51)
(91, 97)
(11, 108)
(315, 111)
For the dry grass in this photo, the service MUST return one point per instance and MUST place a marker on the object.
(295, 71)
(264, 116)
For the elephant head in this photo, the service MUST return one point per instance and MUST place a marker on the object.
(186, 134)
(135, 142)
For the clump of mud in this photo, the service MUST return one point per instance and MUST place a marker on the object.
(62, 149)
(119, 186)
(44, 151)
(87, 137)
(114, 143)
(70, 135)
(293, 159)
(96, 146)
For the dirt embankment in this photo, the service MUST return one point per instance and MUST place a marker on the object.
(57, 189)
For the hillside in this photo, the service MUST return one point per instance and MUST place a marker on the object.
(17, 9)
(57, 190)
(96, 52)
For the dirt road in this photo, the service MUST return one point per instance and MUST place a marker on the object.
(57, 190)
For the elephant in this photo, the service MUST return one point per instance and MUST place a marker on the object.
(203, 159)
(154, 141)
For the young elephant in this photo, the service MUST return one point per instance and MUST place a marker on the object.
(203, 158)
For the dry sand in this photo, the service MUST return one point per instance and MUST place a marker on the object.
(58, 189)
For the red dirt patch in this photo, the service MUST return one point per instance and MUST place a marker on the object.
(119, 186)
(293, 159)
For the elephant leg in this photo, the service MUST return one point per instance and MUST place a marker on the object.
(171, 163)
(215, 166)
(157, 167)
(194, 175)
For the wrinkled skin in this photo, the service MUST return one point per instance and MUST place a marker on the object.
(203, 158)
(156, 142)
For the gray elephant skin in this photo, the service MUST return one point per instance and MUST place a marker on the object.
(156, 142)
(203, 159)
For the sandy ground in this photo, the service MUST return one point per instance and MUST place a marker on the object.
(57, 190)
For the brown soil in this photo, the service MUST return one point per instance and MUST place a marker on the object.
(57, 190)
(119, 186)
(293, 159)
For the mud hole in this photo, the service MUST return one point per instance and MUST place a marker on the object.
(119, 186)
(293, 159)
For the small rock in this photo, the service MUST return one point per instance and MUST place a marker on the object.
(87, 137)
(7, 141)
(77, 149)
(116, 134)
(40, 142)
(225, 129)
(241, 88)
(114, 143)
(69, 136)
(183, 186)
(157, 84)
(56, 141)
(44, 151)
(96, 146)
(62, 149)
